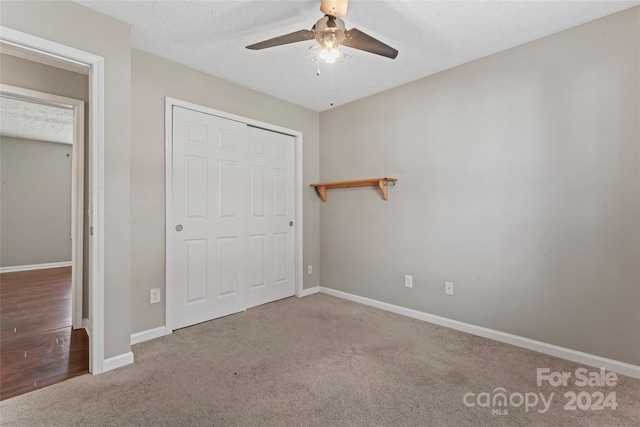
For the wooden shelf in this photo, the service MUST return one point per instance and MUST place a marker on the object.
(382, 183)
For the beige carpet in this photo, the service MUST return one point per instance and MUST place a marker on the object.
(314, 361)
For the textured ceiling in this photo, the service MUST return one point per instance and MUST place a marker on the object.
(28, 120)
(431, 36)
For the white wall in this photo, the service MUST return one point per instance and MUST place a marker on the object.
(518, 180)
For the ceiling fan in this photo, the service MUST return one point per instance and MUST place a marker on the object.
(330, 33)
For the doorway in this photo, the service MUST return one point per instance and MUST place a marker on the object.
(48, 52)
(41, 240)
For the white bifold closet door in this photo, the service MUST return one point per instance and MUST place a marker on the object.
(232, 212)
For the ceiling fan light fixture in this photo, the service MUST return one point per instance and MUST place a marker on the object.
(330, 60)
(330, 55)
(329, 43)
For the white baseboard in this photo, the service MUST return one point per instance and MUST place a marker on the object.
(310, 291)
(34, 267)
(117, 361)
(550, 349)
(147, 335)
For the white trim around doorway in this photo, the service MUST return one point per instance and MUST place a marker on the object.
(47, 51)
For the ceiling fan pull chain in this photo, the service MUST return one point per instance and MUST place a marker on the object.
(331, 90)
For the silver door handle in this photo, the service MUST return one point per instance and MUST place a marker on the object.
(178, 227)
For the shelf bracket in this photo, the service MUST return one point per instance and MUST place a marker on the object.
(322, 190)
(384, 187)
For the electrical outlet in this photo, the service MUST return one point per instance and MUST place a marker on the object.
(448, 288)
(154, 295)
(408, 281)
(309, 269)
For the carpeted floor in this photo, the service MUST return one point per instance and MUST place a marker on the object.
(317, 361)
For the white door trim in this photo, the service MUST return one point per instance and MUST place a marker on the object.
(39, 49)
(77, 184)
(169, 104)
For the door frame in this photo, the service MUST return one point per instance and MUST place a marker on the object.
(298, 147)
(52, 53)
(77, 184)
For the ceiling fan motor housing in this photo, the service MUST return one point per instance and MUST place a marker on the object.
(337, 8)
(329, 32)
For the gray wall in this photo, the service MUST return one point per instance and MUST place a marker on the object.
(35, 202)
(82, 28)
(154, 78)
(518, 180)
(43, 78)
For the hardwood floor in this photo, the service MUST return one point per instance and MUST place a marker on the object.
(37, 344)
